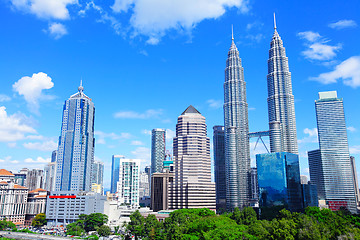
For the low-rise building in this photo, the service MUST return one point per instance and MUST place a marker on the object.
(36, 203)
(13, 199)
(64, 207)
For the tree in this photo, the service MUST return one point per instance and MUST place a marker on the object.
(39, 220)
(104, 231)
(136, 225)
(93, 221)
(74, 229)
(5, 225)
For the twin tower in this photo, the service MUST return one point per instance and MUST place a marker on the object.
(282, 123)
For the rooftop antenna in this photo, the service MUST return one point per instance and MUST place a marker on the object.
(81, 88)
(232, 33)
(274, 21)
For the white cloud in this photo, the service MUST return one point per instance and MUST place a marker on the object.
(146, 132)
(142, 153)
(354, 149)
(343, 24)
(312, 136)
(348, 71)
(318, 49)
(351, 129)
(11, 144)
(57, 30)
(13, 127)
(310, 36)
(101, 136)
(170, 134)
(215, 104)
(151, 113)
(46, 146)
(4, 98)
(37, 160)
(56, 9)
(154, 18)
(137, 143)
(31, 88)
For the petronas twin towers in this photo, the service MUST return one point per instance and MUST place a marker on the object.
(282, 124)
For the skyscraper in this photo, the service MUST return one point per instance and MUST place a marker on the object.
(35, 179)
(49, 172)
(98, 174)
(237, 152)
(330, 166)
(128, 184)
(282, 123)
(75, 154)
(115, 165)
(356, 183)
(219, 160)
(192, 186)
(158, 137)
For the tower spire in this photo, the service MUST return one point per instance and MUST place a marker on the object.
(232, 33)
(274, 21)
(81, 88)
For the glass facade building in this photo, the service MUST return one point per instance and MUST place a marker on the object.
(281, 110)
(279, 180)
(115, 165)
(158, 139)
(129, 181)
(236, 127)
(75, 154)
(330, 166)
(219, 161)
(98, 174)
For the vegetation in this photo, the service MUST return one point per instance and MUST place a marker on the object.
(39, 220)
(204, 224)
(7, 225)
(87, 223)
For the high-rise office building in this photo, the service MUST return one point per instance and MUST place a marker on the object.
(158, 139)
(53, 156)
(144, 187)
(282, 123)
(35, 179)
(254, 187)
(330, 166)
(192, 186)
(220, 174)
(279, 180)
(49, 176)
(356, 183)
(237, 152)
(98, 175)
(75, 154)
(128, 184)
(115, 165)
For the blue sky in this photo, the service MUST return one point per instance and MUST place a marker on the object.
(144, 61)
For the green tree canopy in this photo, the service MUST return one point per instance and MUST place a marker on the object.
(39, 220)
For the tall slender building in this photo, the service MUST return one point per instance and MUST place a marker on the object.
(75, 154)
(115, 166)
(158, 138)
(128, 184)
(192, 186)
(98, 175)
(219, 161)
(330, 166)
(282, 123)
(237, 152)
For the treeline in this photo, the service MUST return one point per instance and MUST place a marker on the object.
(205, 224)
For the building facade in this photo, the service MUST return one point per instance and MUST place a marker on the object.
(115, 166)
(49, 172)
(254, 188)
(279, 180)
(13, 199)
(158, 140)
(281, 109)
(236, 127)
(64, 207)
(192, 186)
(219, 162)
(160, 189)
(98, 175)
(36, 203)
(355, 179)
(129, 181)
(35, 179)
(330, 166)
(75, 155)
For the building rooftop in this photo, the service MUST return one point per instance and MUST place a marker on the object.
(38, 190)
(4, 172)
(190, 109)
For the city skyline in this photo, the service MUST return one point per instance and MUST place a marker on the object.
(129, 103)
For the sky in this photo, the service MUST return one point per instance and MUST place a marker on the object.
(143, 62)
